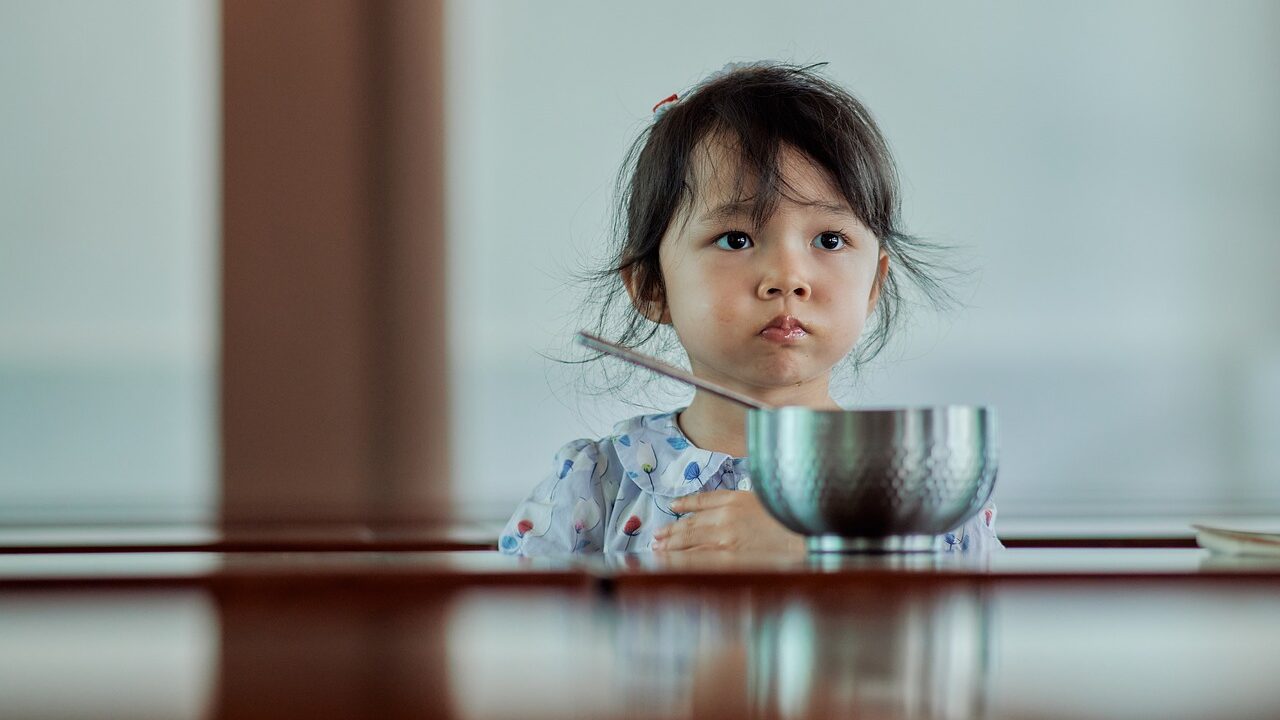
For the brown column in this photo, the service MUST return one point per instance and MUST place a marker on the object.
(333, 331)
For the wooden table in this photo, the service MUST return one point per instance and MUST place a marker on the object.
(247, 537)
(482, 535)
(1041, 633)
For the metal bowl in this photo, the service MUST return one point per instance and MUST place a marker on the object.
(873, 480)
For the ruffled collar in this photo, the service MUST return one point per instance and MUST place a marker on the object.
(656, 456)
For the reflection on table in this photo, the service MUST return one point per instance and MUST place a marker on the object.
(472, 635)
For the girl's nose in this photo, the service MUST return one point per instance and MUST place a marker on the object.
(783, 277)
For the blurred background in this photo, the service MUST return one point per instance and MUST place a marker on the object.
(109, 272)
(264, 261)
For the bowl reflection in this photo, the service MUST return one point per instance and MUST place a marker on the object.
(852, 652)
(868, 654)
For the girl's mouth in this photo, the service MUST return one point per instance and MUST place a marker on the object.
(784, 329)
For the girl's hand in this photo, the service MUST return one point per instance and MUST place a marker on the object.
(725, 520)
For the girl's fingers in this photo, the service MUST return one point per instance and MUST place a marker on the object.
(677, 536)
(704, 548)
(727, 520)
(703, 501)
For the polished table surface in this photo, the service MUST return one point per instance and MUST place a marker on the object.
(1035, 633)
(637, 569)
(436, 535)
(247, 537)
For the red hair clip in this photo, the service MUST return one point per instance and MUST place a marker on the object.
(665, 101)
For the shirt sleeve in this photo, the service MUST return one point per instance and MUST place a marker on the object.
(977, 535)
(565, 513)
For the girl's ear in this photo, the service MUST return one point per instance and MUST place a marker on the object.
(632, 278)
(882, 275)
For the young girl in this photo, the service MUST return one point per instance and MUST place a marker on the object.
(760, 225)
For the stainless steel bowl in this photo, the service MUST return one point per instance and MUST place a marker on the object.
(873, 480)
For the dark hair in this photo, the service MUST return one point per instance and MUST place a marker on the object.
(761, 107)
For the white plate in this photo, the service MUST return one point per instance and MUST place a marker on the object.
(1237, 542)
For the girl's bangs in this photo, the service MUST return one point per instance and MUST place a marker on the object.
(750, 160)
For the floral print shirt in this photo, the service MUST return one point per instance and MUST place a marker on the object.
(610, 495)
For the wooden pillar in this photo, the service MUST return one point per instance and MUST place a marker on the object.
(333, 393)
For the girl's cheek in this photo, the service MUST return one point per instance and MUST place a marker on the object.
(721, 315)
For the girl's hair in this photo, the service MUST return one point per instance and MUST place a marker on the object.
(759, 107)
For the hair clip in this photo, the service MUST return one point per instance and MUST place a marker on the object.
(664, 105)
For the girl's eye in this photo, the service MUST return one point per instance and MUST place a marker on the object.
(733, 240)
(830, 241)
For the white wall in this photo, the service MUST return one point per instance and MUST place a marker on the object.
(1112, 169)
(108, 262)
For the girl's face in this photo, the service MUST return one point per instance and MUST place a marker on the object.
(812, 264)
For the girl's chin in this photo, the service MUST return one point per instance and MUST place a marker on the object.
(759, 369)
(779, 376)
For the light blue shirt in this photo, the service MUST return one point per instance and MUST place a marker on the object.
(612, 494)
